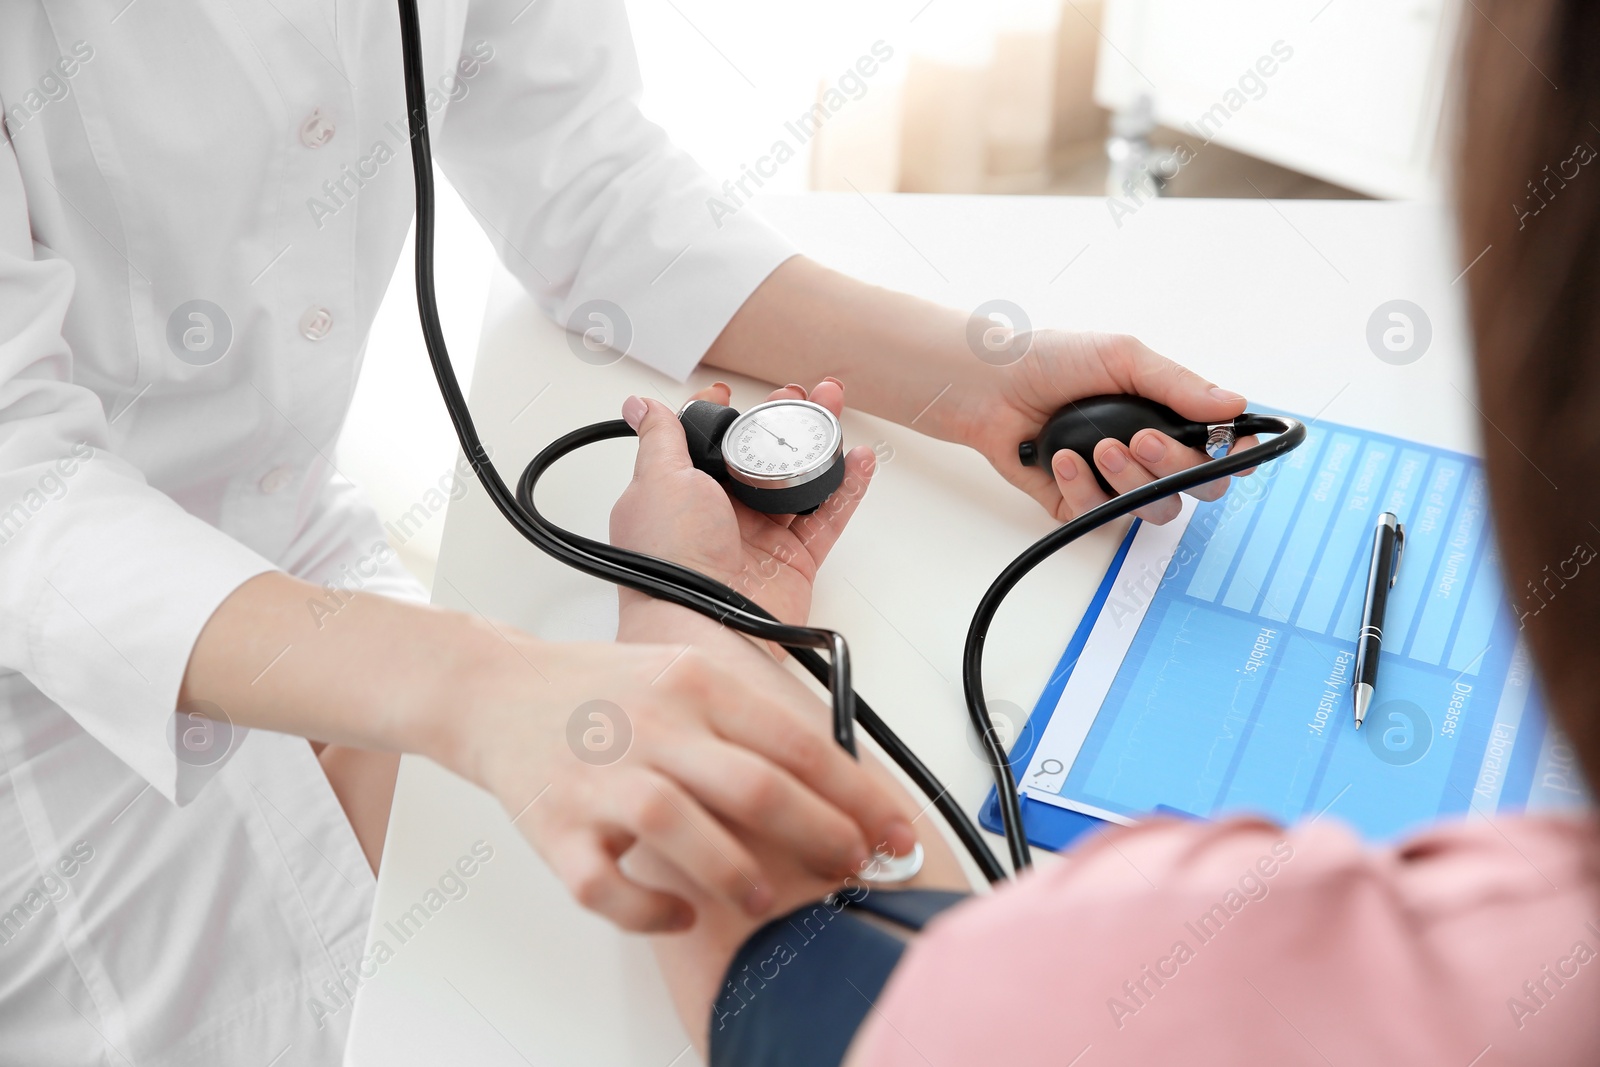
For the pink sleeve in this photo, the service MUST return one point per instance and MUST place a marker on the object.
(1242, 942)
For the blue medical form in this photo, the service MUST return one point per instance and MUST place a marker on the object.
(1211, 675)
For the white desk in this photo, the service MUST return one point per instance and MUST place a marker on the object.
(1270, 299)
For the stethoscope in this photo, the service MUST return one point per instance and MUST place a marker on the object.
(787, 457)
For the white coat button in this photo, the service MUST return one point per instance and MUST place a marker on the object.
(315, 323)
(276, 479)
(317, 130)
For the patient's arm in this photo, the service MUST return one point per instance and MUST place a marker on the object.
(695, 962)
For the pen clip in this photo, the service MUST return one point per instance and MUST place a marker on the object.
(1399, 550)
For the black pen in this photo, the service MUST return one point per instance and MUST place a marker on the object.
(1388, 542)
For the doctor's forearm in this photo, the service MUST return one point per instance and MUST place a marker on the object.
(898, 354)
(374, 674)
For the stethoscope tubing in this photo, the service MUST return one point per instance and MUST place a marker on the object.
(671, 582)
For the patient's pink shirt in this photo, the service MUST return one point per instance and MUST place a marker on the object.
(1477, 943)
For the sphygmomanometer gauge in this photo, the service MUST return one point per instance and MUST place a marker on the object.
(782, 457)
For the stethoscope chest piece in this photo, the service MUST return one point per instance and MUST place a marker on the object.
(884, 869)
(784, 457)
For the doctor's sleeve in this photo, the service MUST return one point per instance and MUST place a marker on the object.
(585, 199)
(105, 582)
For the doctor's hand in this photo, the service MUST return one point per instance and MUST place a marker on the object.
(677, 513)
(690, 742)
(703, 752)
(1012, 404)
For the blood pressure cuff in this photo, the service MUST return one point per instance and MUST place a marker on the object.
(799, 987)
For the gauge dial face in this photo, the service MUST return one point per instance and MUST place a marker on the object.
(782, 442)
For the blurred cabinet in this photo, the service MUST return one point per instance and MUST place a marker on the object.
(1351, 91)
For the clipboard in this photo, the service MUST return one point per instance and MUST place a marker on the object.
(1272, 734)
(1048, 826)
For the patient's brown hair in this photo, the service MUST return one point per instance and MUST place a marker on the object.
(1528, 178)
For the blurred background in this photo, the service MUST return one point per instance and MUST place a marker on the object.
(1119, 99)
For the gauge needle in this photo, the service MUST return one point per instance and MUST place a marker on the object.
(780, 440)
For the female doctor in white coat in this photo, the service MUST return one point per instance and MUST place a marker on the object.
(200, 205)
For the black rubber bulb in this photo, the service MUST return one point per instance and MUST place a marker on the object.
(1083, 424)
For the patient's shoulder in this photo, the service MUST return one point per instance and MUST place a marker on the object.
(1213, 940)
(1457, 866)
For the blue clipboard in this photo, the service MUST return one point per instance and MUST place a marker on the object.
(1495, 748)
(1048, 826)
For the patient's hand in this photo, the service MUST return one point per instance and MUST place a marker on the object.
(677, 513)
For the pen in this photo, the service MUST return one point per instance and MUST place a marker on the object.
(1388, 542)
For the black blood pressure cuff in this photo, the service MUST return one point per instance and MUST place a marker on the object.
(799, 987)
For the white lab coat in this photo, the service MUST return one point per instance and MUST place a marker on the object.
(156, 452)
